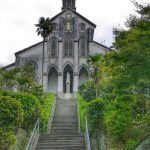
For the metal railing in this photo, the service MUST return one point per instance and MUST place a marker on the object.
(50, 122)
(87, 137)
(34, 137)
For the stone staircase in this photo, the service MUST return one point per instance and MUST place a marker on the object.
(64, 134)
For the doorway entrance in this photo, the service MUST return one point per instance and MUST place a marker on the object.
(68, 69)
(52, 80)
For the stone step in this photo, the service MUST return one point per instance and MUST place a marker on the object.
(63, 136)
(62, 143)
(63, 132)
(65, 120)
(61, 139)
(61, 148)
(60, 115)
(64, 127)
(65, 147)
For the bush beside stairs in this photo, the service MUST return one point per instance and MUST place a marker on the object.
(64, 134)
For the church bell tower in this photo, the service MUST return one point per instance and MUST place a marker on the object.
(69, 4)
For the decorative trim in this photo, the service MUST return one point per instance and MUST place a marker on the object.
(68, 63)
(52, 66)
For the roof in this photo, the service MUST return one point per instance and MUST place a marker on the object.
(32, 46)
(10, 65)
(94, 25)
(103, 45)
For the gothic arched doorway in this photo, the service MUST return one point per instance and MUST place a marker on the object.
(52, 80)
(83, 75)
(67, 69)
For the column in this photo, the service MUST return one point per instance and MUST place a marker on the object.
(76, 62)
(60, 62)
(76, 82)
(76, 57)
(45, 73)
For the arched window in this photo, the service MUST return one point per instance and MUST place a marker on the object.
(82, 46)
(68, 45)
(53, 47)
(83, 75)
(55, 27)
(82, 26)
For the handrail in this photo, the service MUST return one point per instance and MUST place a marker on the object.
(136, 147)
(87, 138)
(49, 126)
(78, 111)
(34, 137)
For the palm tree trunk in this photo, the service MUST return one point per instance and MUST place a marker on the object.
(43, 59)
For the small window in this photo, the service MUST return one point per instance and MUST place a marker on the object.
(83, 46)
(55, 27)
(53, 47)
(82, 26)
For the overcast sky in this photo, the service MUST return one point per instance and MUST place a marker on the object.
(19, 16)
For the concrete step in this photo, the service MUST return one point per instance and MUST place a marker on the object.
(67, 124)
(62, 136)
(60, 147)
(62, 140)
(64, 127)
(60, 143)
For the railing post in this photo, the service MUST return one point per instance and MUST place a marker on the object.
(87, 138)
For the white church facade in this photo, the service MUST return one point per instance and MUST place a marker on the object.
(65, 51)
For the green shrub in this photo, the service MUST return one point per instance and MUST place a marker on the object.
(11, 118)
(11, 112)
(46, 107)
(30, 105)
(82, 112)
(37, 91)
(118, 119)
(95, 113)
(87, 91)
(7, 137)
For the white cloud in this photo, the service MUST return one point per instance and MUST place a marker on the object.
(19, 16)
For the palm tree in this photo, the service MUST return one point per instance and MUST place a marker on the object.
(44, 28)
(94, 63)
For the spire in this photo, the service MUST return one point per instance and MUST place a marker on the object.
(69, 4)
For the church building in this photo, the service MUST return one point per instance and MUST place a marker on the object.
(65, 51)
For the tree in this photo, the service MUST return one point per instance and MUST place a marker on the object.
(44, 28)
(94, 62)
(124, 77)
(8, 78)
(126, 73)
